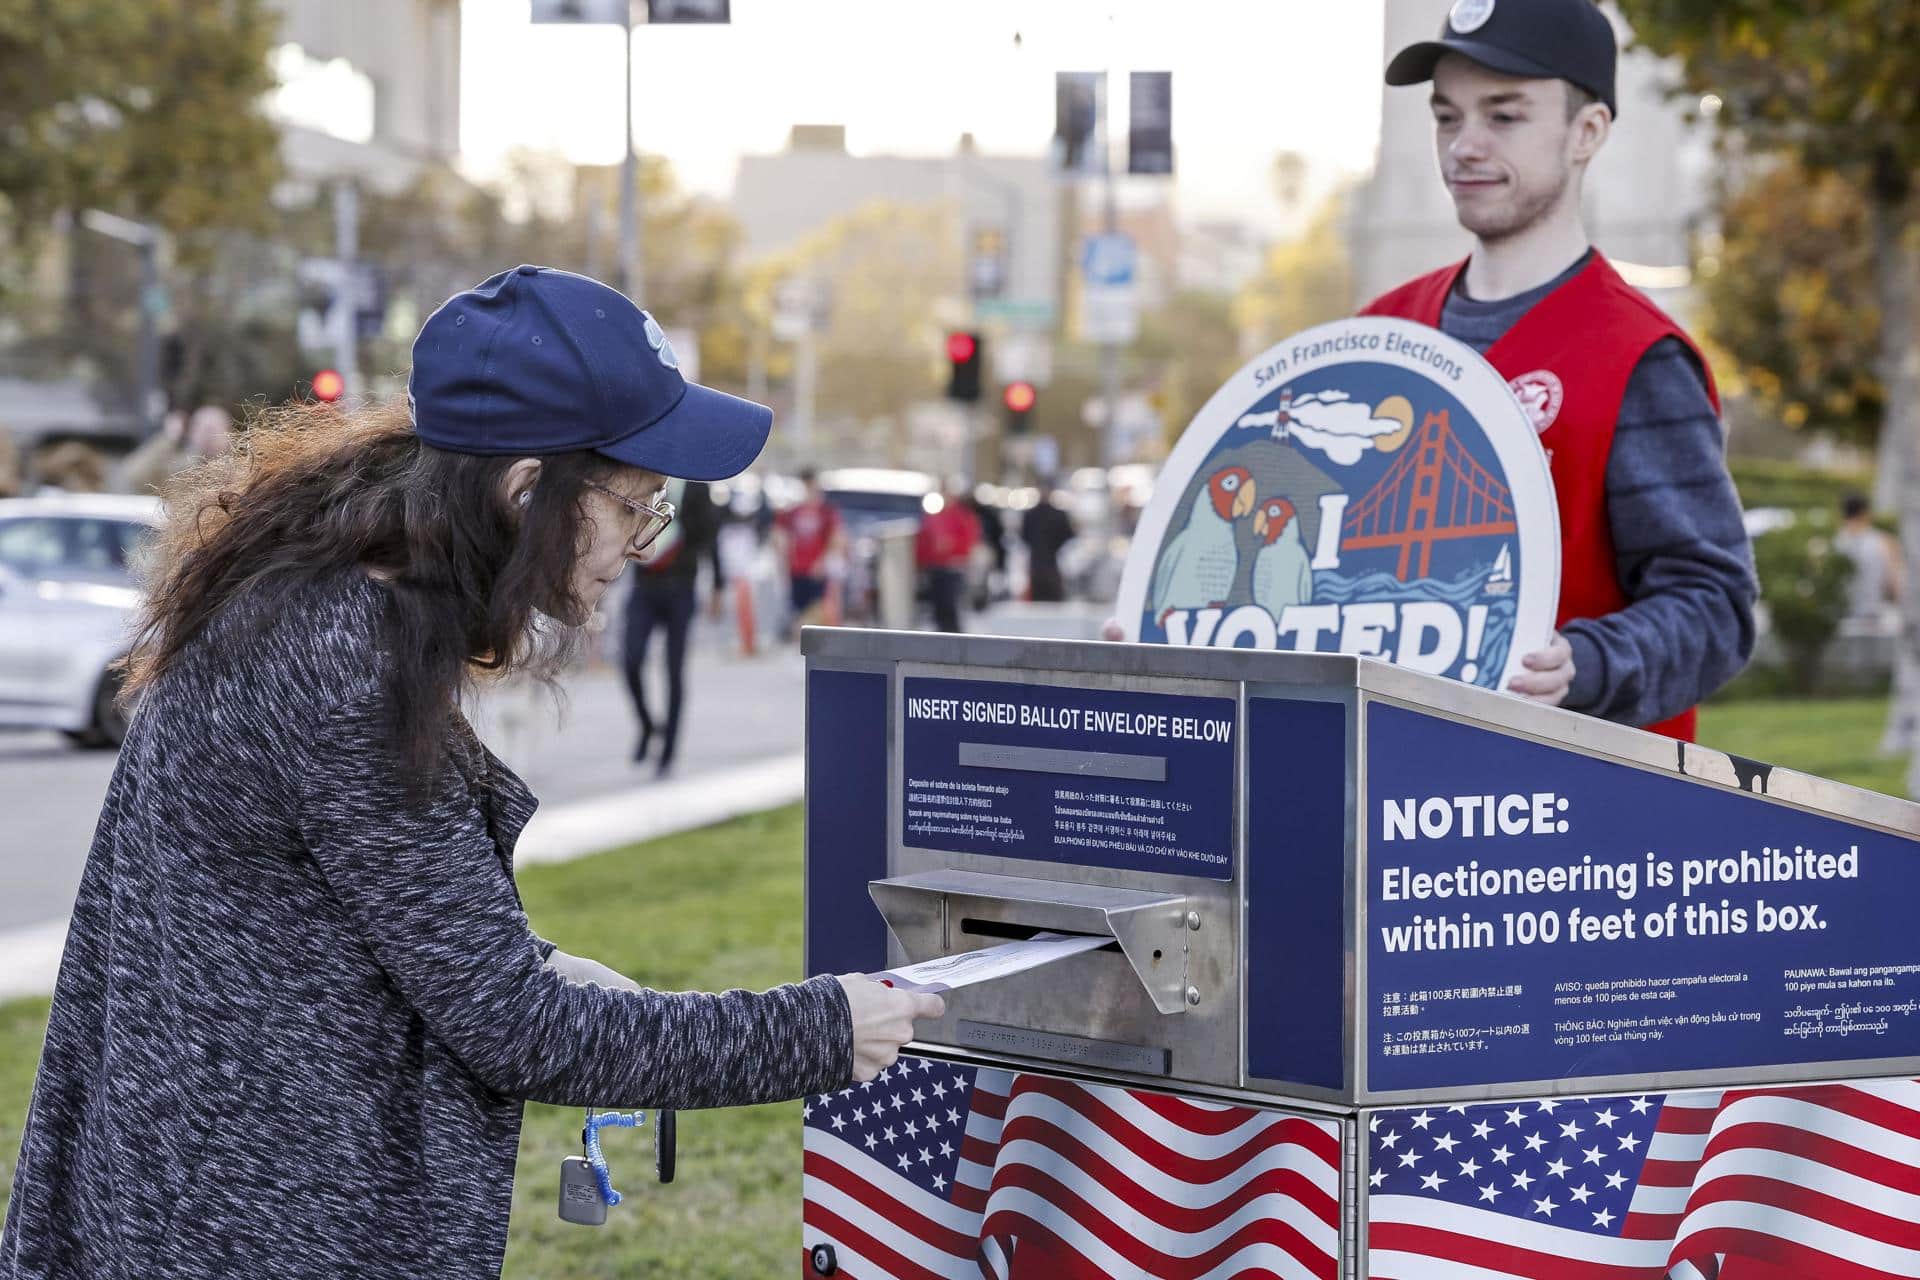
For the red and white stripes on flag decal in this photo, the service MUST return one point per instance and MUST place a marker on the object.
(1817, 1181)
(1061, 1180)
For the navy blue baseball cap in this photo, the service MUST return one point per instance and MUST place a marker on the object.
(1567, 40)
(535, 361)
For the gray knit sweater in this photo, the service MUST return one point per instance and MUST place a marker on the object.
(301, 1006)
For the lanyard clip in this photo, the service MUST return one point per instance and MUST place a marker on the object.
(596, 1158)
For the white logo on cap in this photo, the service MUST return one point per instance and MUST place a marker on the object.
(1469, 15)
(657, 339)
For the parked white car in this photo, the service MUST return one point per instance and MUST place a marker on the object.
(67, 605)
(89, 537)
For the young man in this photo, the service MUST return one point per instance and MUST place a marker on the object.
(1873, 594)
(1657, 586)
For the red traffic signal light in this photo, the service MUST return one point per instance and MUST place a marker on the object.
(328, 385)
(1018, 396)
(963, 366)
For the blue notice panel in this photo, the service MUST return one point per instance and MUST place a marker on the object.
(1535, 914)
(1296, 879)
(1099, 778)
(846, 820)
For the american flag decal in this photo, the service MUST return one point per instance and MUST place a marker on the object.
(938, 1170)
(1817, 1182)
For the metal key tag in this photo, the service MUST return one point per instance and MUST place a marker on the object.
(580, 1201)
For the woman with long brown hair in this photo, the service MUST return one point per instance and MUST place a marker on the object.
(301, 1006)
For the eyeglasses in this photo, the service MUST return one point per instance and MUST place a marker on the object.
(654, 517)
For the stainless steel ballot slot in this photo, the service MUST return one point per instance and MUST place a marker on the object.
(940, 912)
(1163, 1000)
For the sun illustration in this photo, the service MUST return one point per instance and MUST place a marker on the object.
(1400, 410)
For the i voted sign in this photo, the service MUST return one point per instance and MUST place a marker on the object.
(1368, 487)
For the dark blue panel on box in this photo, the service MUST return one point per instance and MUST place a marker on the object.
(1086, 777)
(846, 820)
(1296, 878)
(1535, 914)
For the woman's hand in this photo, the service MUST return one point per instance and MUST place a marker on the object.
(883, 1019)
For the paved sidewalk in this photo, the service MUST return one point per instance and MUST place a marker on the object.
(739, 753)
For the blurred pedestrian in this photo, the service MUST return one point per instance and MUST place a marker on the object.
(943, 549)
(813, 538)
(72, 466)
(665, 595)
(1045, 528)
(993, 537)
(184, 440)
(1656, 572)
(11, 481)
(1878, 568)
(300, 1006)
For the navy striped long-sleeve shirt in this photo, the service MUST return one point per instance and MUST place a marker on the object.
(1681, 550)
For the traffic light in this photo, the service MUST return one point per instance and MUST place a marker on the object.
(328, 385)
(1019, 398)
(963, 366)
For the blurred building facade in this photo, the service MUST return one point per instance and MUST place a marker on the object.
(1219, 256)
(1648, 193)
(781, 199)
(370, 89)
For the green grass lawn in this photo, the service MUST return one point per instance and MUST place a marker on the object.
(1829, 738)
(710, 909)
(721, 907)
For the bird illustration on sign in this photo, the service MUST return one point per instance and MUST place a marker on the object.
(1197, 565)
(1326, 519)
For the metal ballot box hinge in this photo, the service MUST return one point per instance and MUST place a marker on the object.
(937, 913)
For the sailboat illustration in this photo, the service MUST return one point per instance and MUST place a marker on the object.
(1500, 581)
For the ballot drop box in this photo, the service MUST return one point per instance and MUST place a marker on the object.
(1400, 978)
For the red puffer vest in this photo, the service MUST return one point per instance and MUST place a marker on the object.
(1569, 360)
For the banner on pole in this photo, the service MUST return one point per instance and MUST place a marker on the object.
(707, 11)
(1150, 122)
(1077, 101)
(581, 12)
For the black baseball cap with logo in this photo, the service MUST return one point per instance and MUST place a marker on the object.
(1567, 40)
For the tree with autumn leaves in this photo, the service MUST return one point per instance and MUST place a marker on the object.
(149, 109)
(1833, 90)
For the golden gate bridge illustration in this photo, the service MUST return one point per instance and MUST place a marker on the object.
(1433, 492)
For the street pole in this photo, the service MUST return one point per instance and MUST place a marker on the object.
(346, 300)
(1109, 350)
(145, 240)
(806, 370)
(593, 218)
(973, 454)
(630, 283)
(151, 304)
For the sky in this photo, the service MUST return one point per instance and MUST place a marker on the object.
(1251, 78)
